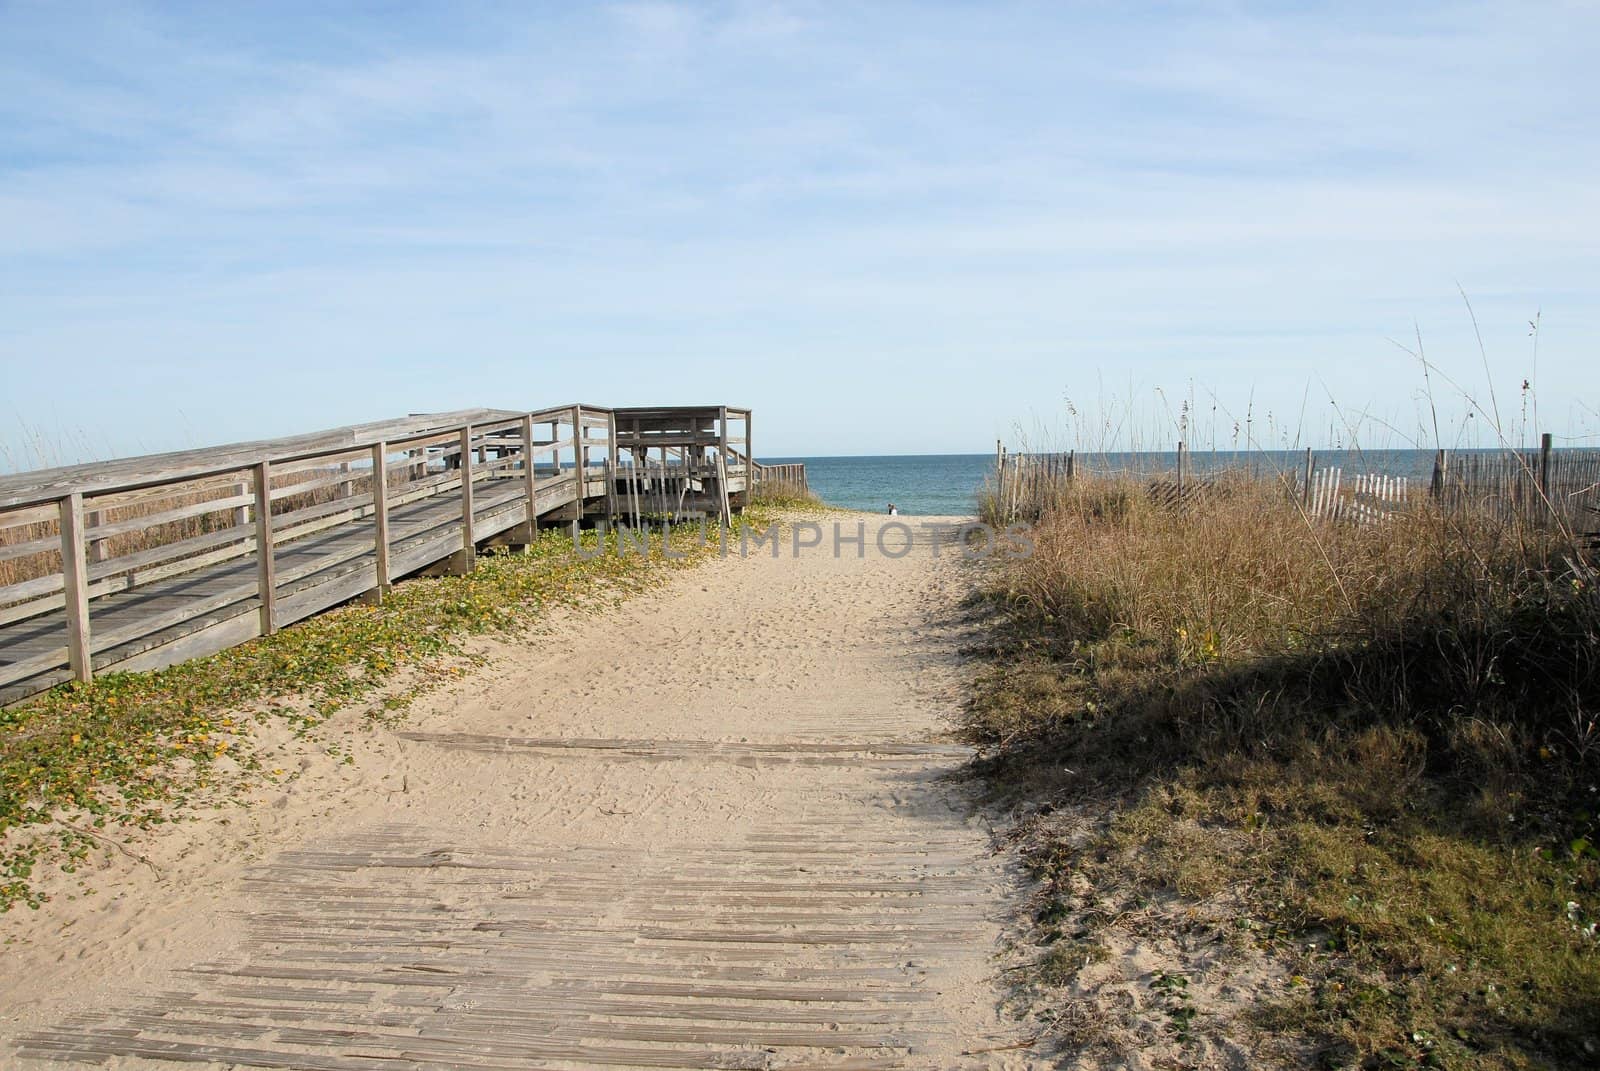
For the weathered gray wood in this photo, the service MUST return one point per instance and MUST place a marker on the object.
(241, 495)
(97, 546)
(380, 515)
(17, 516)
(29, 548)
(29, 488)
(612, 509)
(468, 548)
(41, 661)
(266, 565)
(722, 491)
(76, 583)
(232, 505)
(1544, 464)
(580, 449)
(530, 479)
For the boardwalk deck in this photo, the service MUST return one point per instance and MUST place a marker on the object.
(144, 562)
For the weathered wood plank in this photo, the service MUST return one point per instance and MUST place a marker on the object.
(266, 566)
(380, 515)
(75, 581)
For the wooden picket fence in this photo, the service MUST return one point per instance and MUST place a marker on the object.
(1372, 497)
(1564, 484)
(1543, 485)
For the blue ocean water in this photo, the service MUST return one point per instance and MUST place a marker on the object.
(919, 484)
(933, 484)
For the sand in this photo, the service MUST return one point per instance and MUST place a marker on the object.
(713, 827)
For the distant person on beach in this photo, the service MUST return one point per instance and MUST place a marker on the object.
(893, 512)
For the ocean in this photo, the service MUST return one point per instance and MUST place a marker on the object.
(934, 484)
(919, 484)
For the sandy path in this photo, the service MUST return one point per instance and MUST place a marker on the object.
(709, 829)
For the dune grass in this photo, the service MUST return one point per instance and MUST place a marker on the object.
(1370, 753)
(780, 496)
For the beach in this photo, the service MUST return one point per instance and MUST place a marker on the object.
(713, 822)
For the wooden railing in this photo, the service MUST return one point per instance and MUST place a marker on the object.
(789, 478)
(288, 526)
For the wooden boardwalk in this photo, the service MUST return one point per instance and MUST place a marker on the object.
(787, 948)
(144, 562)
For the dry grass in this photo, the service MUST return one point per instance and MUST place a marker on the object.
(1381, 740)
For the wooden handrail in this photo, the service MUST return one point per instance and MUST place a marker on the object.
(44, 486)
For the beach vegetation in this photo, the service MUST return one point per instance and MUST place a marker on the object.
(1358, 764)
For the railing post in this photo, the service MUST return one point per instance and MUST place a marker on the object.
(722, 465)
(266, 566)
(1545, 443)
(380, 514)
(1305, 490)
(580, 465)
(722, 491)
(241, 514)
(1441, 462)
(97, 547)
(75, 581)
(579, 461)
(611, 468)
(468, 543)
(528, 481)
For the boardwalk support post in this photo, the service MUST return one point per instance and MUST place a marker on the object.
(529, 479)
(611, 468)
(722, 466)
(467, 556)
(580, 469)
(380, 515)
(266, 567)
(75, 579)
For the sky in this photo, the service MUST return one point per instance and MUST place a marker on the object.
(887, 228)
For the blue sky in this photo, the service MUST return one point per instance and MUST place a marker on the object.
(888, 228)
